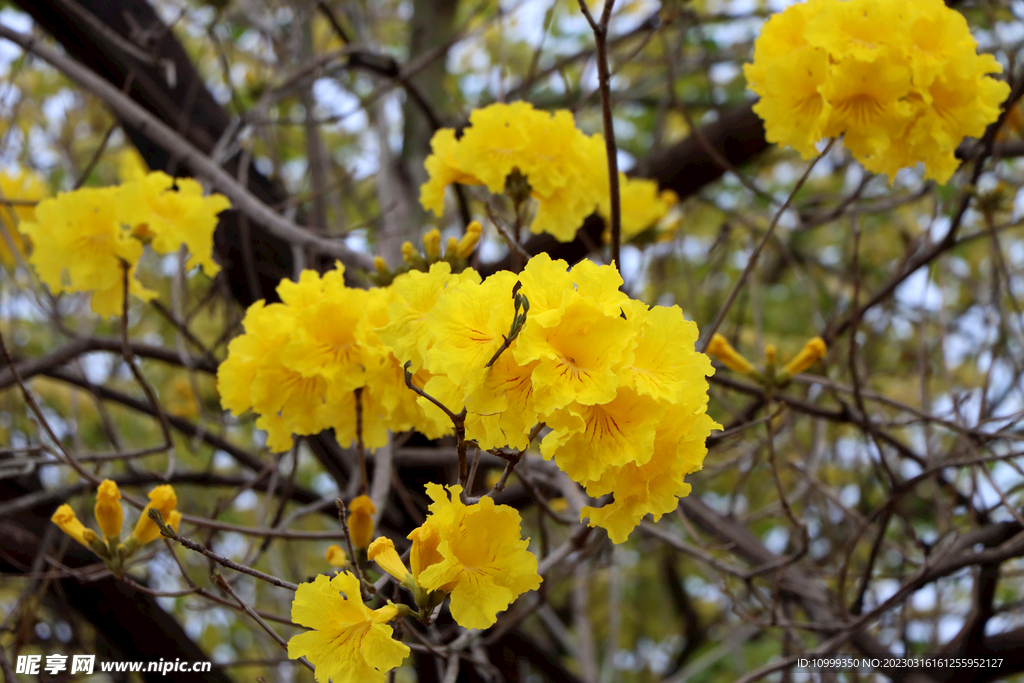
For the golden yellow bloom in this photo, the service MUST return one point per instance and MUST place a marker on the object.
(900, 81)
(161, 498)
(130, 165)
(485, 562)
(813, 351)
(350, 642)
(336, 556)
(174, 217)
(655, 486)
(565, 169)
(382, 551)
(721, 349)
(65, 518)
(85, 238)
(360, 521)
(109, 513)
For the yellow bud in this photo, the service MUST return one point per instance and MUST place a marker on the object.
(558, 504)
(382, 551)
(469, 241)
(381, 265)
(432, 244)
(452, 248)
(163, 499)
(108, 511)
(336, 556)
(425, 540)
(408, 253)
(721, 349)
(68, 521)
(360, 521)
(813, 351)
(769, 355)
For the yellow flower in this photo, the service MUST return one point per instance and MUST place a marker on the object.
(502, 412)
(578, 357)
(415, 294)
(655, 486)
(565, 169)
(174, 217)
(161, 498)
(108, 511)
(336, 556)
(65, 518)
(867, 70)
(664, 361)
(350, 642)
(793, 109)
(382, 551)
(81, 233)
(485, 562)
(22, 186)
(468, 323)
(360, 521)
(587, 440)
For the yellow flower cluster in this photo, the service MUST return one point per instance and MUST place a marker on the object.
(567, 171)
(82, 237)
(901, 81)
(22, 187)
(473, 552)
(350, 642)
(110, 518)
(619, 383)
(301, 362)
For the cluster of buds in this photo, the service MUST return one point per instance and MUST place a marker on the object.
(110, 518)
(813, 351)
(456, 253)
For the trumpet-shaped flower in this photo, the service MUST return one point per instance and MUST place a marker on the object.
(21, 186)
(349, 643)
(484, 562)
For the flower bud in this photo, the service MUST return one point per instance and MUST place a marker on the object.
(336, 557)
(108, 510)
(432, 244)
(813, 351)
(721, 349)
(381, 265)
(409, 253)
(360, 521)
(68, 521)
(425, 540)
(469, 241)
(165, 500)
